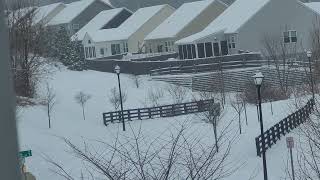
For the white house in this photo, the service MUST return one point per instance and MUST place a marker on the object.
(107, 19)
(77, 14)
(129, 36)
(245, 24)
(44, 14)
(188, 19)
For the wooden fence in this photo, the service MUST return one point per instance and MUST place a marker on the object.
(272, 135)
(210, 67)
(162, 111)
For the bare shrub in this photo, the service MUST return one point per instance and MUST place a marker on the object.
(237, 105)
(26, 46)
(81, 98)
(114, 98)
(49, 102)
(178, 155)
(154, 96)
(268, 93)
(177, 93)
(136, 80)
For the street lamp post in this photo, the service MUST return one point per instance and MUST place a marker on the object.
(258, 78)
(117, 70)
(309, 55)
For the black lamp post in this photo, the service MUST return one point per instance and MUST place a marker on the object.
(117, 70)
(258, 78)
(309, 55)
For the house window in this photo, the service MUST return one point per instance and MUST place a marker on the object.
(189, 50)
(193, 49)
(185, 51)
(293, 36)
(159, 47)
(201, 52)
(125, 47)
(102, 51)
(150, 48)
(115, 49)
(290, 37)
(208, 47)
(232, 42)
(86, 52)
(166, 46)
(94, 51)
(180, 52)
(75, 26)
(89, 41)
(90, 52)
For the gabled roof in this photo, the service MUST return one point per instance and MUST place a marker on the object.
(315, 6)
(43, 11)
(230, 20)
(72, 11)
(98, 22)
(182, 17)
(130, 26)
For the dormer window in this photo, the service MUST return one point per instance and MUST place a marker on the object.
(290, 36)
(89, 41)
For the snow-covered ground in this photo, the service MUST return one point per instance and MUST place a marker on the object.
(67, 122)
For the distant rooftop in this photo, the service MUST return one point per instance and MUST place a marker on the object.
(230, 20)
(97, 23)
(127, 28)
(72, 11)
(184, 15)
(44, 11)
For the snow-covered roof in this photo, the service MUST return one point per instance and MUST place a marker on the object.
(97, 23)
(315, 6)
(72, 11)
(230, 20)
(184, 15)
(43, 11)
(130, 26)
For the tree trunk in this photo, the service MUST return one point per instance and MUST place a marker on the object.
(271, 107)
(245, 113)
(49, 117)
(83, 114)
(240, 123)
(214, 124)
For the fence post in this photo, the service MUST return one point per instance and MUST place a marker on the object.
(160, 110)
(258, 146)
(172, 109)
(149, 112)
(139, 114)
(129, 115)
(185, 108)
(111, 117)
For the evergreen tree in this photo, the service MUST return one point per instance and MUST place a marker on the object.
(70, 53)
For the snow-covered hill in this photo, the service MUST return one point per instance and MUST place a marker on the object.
(68, 123)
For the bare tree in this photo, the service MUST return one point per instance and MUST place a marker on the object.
(154, 96)
(81, 98)
(114, 98)
(174, 156)
(214, 115)
(49, 101)
(137, 81)
(178, 93)
(26, 46)
(237, 105)
(281, 56)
